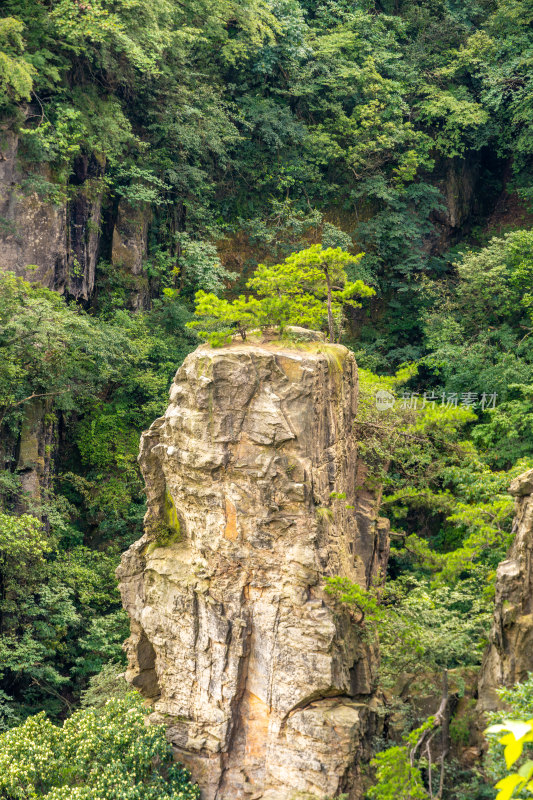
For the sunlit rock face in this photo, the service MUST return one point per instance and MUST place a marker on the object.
(266, 688)
(509, 656)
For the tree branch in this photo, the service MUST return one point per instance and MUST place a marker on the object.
(31, 397)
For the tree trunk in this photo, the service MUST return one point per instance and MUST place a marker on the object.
(445, 731)
(330, 313)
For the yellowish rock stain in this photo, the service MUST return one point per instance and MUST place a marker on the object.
(230, 531)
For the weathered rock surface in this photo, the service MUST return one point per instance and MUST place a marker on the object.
(129, 243)
(54, 243)
(130, 237)
(35, 447)
(267, 689)
(32, 232)
(58, 242)
(509, 655)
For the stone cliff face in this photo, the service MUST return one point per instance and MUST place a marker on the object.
(265, 687)
(33, 233)
(509, 656)
(34, 463)
(57, 243)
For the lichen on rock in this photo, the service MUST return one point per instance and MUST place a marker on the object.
(266, 688)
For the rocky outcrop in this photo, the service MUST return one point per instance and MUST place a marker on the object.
(55, 236)
(130, 235)
(84, 212)
(129, 247)
(43, 237)
(509, 655)
(34, 463)
(255, 492)
(33, 233)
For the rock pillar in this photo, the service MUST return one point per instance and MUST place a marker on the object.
(255, 493)
(509, 656)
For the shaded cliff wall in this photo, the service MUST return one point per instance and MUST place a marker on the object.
(58, 242)
(33, 232)
(509, 655)
(34, 459)
(267, 689)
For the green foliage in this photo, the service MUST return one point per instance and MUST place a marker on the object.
(479, 340)
(498, 59)
(309, 288)
(421, 629)
(222, 317)
(50, 349)
(59, 615)
(199, 265)
(278, 118)
(454, 117)
(105, 379)
(109, 683)
(452, 523)
(22, 546)
(266, 128)
(508, 431)
(313, 282)
(33, 616)
(396, 774)
(451, 513)
(518, 700)
(102, 642)
(16, 74)
(520, 733)
(493, 287)
(107, 752)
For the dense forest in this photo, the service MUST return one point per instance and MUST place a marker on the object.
(228, 135)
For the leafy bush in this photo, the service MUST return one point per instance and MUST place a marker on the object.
(106, 753)
(518, 701)
(519, 734)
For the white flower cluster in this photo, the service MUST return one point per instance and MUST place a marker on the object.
(98, 754)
